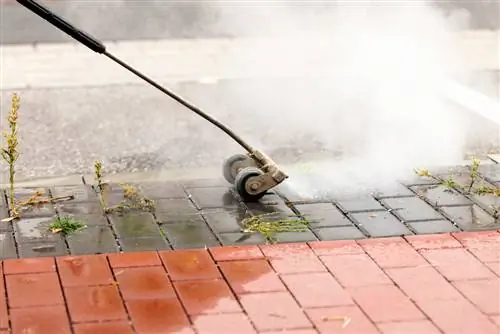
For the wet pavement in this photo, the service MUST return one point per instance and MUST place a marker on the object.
(302, 288)
(208, 213)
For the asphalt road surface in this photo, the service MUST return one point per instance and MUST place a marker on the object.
(132, 20)
(136, 128)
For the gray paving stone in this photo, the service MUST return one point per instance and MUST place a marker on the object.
(45, 210)
(228, 239)
(162, 190)
(134, 225)
(395, 190)
(271, 204)
(144, 244)
(339, 233)
(92, 240)
(205, 183)
(35, 230)
(323, 215)
(435, 226)
(416, 180)
(167, 209)
(42, 249)
(360, 205)
(440, 195)
(81, 193)
(82, 208)
(189, 235)
(7, 246)
(490, 172)
(380, 224)
(291, 195)
(214, 197)
(490, 203)
(305, 236)
(471, 218)
(5, 226)
(225, 221)
(411, 209)
(25, 193)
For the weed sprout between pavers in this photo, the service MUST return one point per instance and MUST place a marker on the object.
(268, 227)
(475, 186)
(10, 155)
(132, 198)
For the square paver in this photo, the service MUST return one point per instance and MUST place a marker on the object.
(440, 195)
(323, 215)
(92, 240)
(229, 239)
(7, 246)
(434, 226)
(144, 244)
(225, 221)
(167, 210)
(35, 230)
(81, 193)
(162, 190)
(302, 236)
(394, 190)
(360, 205)
(490, 172)
(213, 197)
(189, 235)
(471, 218)
(412, 209)
(81, 208)
(42, 249)
(339, 233)
(134, 224)
(380, 224)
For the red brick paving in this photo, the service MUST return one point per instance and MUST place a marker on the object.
(415, 285)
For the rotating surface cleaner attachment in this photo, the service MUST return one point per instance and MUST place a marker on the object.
(252, 174)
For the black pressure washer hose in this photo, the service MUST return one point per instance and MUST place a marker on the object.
(97, 46)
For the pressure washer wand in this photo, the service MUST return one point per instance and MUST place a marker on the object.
(97, 46)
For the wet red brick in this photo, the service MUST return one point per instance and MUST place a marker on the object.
(40, 320)
(457, 316)
(206, 296)
(316, 290)
(4, 317)
(110, 327)
(189, 265)
(144, 282)
(33, 290)
(96, 303)
(423, 283)
(355, 270)
(494, 267)
(392, 252)
(445, 261)
(84, 270)
(274, 310)
(292, 258)
(484, 245)
(396, 306)
(337, 247)
(251, 276)
(136, 259)
(158, 315)
(294, 331)
(496, 319)
(232, 253)
(485, 294)
(223, 323)
(409, 327)
(29, 266)
(343, 319)
(433, 241)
